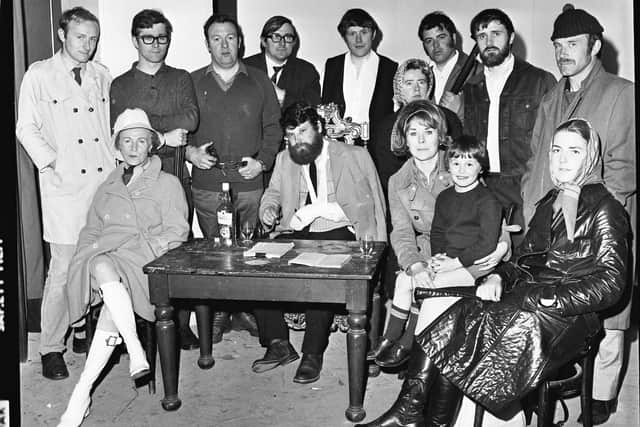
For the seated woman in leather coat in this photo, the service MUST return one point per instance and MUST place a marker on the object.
(532, 315)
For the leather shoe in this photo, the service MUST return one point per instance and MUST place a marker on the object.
(53, 366)
(395, 355)
(79, 345)
(601, 410)
(187, 339)
(309, 369)
(279, 353)
(242, 321)
(383, 346)
(221, 325)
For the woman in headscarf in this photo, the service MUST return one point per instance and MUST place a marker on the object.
(136, 215)
(535, 314)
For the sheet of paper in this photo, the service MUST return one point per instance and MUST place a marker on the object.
(315, 259)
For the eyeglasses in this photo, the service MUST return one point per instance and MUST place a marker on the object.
(152, 39)
(288, 38)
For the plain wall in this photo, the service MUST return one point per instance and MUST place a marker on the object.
(317, 22)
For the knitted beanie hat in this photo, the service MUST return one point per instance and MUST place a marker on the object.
(572, 22)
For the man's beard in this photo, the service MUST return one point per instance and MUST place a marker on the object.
(304, 153)
(493, 59)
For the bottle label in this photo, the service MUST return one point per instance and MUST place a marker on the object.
(225, 224)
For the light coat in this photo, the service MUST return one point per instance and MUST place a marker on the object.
(357, 189)
(60, 121)
(131, 225)
(608, 103)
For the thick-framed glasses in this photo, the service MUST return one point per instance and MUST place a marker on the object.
(288, 38)
(152, 39)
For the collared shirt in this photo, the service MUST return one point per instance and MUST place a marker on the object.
(225, 85)
(270, 64)
(442, 75)
(358, 88)
(324, 193)
(496, 77)
(70, 64)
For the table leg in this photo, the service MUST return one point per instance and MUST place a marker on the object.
(166, 335)
(203, 318)
(356, 355)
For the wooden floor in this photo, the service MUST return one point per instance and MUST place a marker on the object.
(231, 395)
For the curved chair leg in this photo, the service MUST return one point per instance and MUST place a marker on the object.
(151, 352)
(587, 389)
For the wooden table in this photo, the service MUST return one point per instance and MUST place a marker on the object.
(200, 270)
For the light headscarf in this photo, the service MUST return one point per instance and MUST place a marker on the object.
(590, 173)
(398, 80)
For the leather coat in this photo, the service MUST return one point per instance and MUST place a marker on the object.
(497, 352)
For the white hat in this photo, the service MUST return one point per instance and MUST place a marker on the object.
(132, 118)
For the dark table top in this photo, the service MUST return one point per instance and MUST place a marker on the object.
(204, 257)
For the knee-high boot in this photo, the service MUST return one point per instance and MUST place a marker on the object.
(407, 410)
(101, 348)
(444, 401)
(118, 301)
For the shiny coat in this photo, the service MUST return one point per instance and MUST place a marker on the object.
(497, 352)
(132, 225)
(63, 122)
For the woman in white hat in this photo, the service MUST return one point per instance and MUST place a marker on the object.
(137, 214)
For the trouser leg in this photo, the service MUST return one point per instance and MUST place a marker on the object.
(608, 364)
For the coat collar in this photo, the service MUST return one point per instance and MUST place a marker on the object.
(150, 174)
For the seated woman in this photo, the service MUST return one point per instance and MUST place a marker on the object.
(137, 214)
(536, 314)
(419, 131)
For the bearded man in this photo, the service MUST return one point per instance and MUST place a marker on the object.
(500, 107)
(320, 189)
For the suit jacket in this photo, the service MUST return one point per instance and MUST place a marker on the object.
(356, 183)
(298, 78)
(382, 100)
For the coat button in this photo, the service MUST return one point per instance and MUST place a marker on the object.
(80, 141)
(96, 139)
(95, 246)
(83, 171)
(107, 216)
(75, 110)
(99, 169)
(416, 217)
(91, 109)
(55, 101)
(127, 216)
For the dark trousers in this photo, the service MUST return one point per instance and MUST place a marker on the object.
(318, 318)
(507, 191)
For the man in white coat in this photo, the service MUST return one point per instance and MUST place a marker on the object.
(63, 123)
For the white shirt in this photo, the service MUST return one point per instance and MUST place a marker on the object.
(270, 64)
(442, 75)
(358, 89)
(496, 77)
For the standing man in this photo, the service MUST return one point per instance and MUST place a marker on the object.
(166, 94)
(240, 117)
(294, 79)
(586, 90)
(321, 189)
(500, 106)
(63, 123)
(438, 34)
(360, 81)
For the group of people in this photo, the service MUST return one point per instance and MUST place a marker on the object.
(445, 176)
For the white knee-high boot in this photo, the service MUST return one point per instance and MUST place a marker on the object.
(101, 348)
(118, 301)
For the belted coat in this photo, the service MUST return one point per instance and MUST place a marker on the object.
(497, 352)
(132, 225)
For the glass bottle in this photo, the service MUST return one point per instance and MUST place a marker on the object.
(225, 217)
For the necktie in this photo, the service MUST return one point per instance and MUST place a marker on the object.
(313, 174)
(276, 69)
(76, 75)
(128, 173)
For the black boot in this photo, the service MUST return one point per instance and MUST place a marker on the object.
(407, 410)
(444, 400)
(221, 325)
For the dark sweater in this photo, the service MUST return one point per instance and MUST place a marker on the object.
(167, 97)
(242, 122)
(466, 225)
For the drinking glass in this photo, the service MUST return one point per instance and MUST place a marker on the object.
(366, 246)
(246, 233)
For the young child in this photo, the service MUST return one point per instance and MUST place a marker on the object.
(466, 227)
